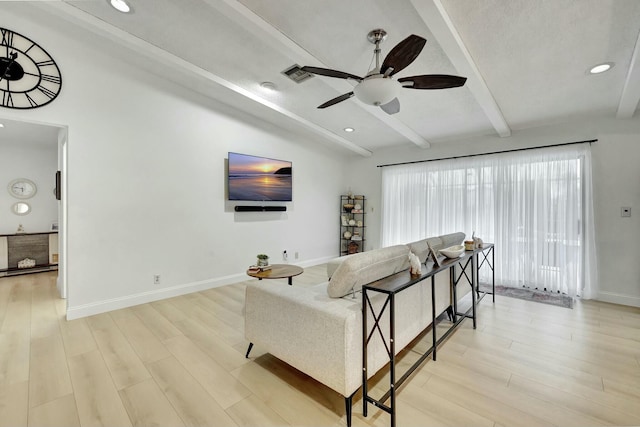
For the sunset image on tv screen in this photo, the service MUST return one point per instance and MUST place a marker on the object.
(259, 178)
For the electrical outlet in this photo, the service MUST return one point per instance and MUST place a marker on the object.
(156, 279)
(625, 211)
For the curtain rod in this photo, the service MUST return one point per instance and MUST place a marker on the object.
(486, 154)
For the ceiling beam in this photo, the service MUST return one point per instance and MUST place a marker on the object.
(242, 15)
(437, 20)
(179, 65)
(631, 91)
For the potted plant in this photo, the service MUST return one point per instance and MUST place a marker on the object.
(263, 260)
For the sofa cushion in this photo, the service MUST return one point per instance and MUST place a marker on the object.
(366, 267)
(333, 264)
(451, 239)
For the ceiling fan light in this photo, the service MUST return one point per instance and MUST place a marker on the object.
(376, 90)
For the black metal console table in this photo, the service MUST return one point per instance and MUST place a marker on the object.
(398, 282)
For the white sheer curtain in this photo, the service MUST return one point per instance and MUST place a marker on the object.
(535, 205)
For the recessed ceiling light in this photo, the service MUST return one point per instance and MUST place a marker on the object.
(601, 68)
(1, 125)
(268, 85)
(121, 5)
(349, 129)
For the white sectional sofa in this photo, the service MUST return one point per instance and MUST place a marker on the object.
(318, 330)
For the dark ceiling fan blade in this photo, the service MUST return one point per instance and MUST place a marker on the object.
(336, 100)
(391, 107)
(432, 81)
(403, 54)
(331, 73)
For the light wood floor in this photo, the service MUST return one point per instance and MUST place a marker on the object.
(181, 362)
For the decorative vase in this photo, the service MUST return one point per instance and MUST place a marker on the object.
(262, 262)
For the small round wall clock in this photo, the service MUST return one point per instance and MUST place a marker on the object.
(29, 77)
(22, 188)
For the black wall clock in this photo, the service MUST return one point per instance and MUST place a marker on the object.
(29, 77)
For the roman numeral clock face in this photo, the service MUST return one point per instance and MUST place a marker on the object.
(29, 77)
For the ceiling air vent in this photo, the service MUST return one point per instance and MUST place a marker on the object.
(296, 74)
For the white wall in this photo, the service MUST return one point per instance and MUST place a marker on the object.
(617, 184)
(39, 164)
(146, 181)
(616, 178)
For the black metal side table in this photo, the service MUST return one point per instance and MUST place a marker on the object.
(394, 284)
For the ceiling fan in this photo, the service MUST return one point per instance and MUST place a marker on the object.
(378, 87)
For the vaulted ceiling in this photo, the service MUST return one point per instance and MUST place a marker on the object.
(526, 61)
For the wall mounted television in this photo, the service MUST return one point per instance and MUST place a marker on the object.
(253, 178)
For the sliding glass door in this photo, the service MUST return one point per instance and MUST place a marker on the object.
(534, 205)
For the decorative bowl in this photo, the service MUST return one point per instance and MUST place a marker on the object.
(348, 207)
(453, 251)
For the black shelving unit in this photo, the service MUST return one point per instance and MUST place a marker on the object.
(352, 224)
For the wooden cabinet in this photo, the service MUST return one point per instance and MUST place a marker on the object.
(42, 248)
(352, 224)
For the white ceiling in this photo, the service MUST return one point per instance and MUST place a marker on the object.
(526, 60)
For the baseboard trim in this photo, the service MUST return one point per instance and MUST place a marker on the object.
(618, 299)
(146, 297)
(98, 307)
(312, 262)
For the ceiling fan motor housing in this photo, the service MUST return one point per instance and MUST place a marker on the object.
(376, 90)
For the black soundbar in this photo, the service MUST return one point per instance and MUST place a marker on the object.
(260, 208)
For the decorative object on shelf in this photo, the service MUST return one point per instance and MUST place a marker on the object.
(349, 193)
(357, 207)
(477, 242)
(468, 245)
(414, 264)
(346, 234)
(352, 222)
(348, 207)
(258, 268)
(356, 236)
(453, 251)
(29, 74)
(344, 221)
(22, 188)
(359, 223)
(27, 263)
(20, 229)
(433, 256)
(21, 208)
(353, 247)
(263, 260)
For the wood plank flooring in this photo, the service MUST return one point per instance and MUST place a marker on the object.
(181, 361)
